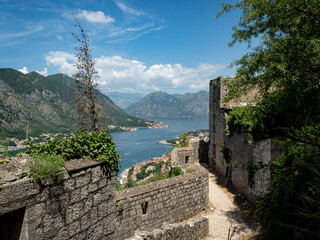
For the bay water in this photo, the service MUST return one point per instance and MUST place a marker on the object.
(141, 145)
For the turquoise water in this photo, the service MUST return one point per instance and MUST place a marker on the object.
(141, 145)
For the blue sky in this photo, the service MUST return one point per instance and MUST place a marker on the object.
(140, 46)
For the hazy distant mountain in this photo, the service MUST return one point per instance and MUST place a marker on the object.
(48, 104)
(161, 104)
(124, 100)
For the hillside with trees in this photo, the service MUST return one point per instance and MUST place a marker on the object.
(47, 103)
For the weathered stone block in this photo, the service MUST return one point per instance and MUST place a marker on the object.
(92, 187)
(69, 185)
(58, 221)
(77, 210)
(74, 228)
(94, 215)
(35, 211)
(84, 192)
(85, 221)
(82, 181)
(95, 231)
(62, 235)
(97, 198)
(96, 174)
(18, 190)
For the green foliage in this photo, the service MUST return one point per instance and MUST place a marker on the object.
(6, 144)
(176, 171)
(120, 207)
(57, 112)
(291, 208)
(97, 146)
(284, 68)
(156, 177)
(287, 55)
(44, 169)
(183, 141)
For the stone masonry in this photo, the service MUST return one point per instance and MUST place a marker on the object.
(195, 152)
(79, 206)
(241, 154)
(171, 200)
(191, 230)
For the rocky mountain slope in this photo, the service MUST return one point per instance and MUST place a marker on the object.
(47, 102)
(124, 100)
(161, 104)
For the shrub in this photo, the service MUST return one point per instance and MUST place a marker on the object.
(96, 146)
(44, 169)
(176, 171)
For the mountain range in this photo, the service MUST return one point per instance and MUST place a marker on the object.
(124, 100)
(45, 105)
(161, 104)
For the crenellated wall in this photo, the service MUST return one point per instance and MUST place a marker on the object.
(171, 200)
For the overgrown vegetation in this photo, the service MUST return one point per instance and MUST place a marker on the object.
(157, 175)
(45, 169)
(176, 171)
(97, 146)
(284, 69)
(183, 141)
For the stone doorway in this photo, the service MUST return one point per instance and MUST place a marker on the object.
(11, 224)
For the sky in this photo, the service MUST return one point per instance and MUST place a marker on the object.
(139, 46)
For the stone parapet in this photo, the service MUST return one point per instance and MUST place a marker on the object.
(148, 206)
(78, 206)
(194, 229)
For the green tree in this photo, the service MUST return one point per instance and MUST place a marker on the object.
(284, 69)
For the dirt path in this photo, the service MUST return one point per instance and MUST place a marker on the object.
(225, 219)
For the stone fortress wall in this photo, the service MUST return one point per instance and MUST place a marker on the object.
(83, 204)
(79, 206)
(195, 152)
(234, 156)
(171, 200)
(196, 228)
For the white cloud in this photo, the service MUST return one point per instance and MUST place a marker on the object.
(21, 34)
(125, 75)
(95, 17)
(61, 60)
(129, 10)
(44, 72)
(24, 70)
(59, 37)
(118, 32)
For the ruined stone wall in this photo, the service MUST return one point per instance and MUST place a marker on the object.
(193, 229)
(197, 151)
(243, 154)
(147, 207)
(79, 206)
(183, 156)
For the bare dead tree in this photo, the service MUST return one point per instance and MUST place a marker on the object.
(85, 98)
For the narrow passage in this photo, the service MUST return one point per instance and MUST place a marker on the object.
(225, 218)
